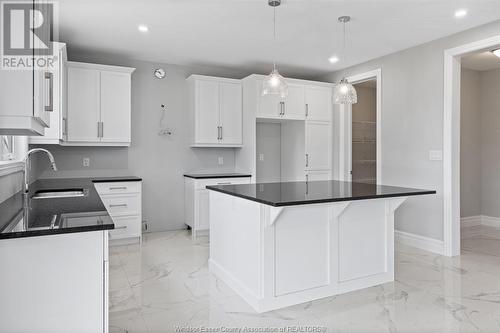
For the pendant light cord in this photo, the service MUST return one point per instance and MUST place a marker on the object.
(344, 71)
(274, 38)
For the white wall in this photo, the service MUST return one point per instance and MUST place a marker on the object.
(470, 143)
(490, 143)
(412, 124)
(160, 161)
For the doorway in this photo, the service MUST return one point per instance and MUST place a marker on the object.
(360, 144)
(364, 133)
(451, 139)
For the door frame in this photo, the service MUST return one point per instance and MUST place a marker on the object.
(451, 140)
(345, 130)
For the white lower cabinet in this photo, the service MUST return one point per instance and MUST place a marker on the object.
(196, 204)
(123, 201)
(55, 283)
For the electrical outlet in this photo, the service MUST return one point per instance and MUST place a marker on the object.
(435, 155)
(261, 157)
(220, 160)
(86, 162)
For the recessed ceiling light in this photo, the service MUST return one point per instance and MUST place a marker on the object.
(333, 59)
(496, 52)
(460, 13)
(143, 28)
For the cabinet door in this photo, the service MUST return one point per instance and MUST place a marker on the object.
(269, 105)
(319, 103)
(202, 221)
(115, 107)
(231, 113)
(318, 145)
(207, 112)
(83, 104)
(295, 107)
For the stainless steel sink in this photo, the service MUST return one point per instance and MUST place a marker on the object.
(62, 193)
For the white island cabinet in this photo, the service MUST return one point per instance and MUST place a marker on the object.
(280, 244)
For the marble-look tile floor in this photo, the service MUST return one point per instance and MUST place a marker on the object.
(164, 285)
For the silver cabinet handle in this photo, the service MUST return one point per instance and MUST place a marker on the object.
(281, 108)
(118, 188)
(307, 178)
(218, 133)
(100, 129)
(65, 126)
(227, 183)
(284, 108)
(221, 133)
(118, 205)
(307, 160)
(307, 110)
(50, 77)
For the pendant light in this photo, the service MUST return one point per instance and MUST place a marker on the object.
(344, 92)
(274, 83)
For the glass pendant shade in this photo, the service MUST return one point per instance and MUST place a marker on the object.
(274, 84)
(344, 93)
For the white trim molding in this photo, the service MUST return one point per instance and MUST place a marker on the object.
(10, 167)
(451, 141)
(477, 220)
(420, 242)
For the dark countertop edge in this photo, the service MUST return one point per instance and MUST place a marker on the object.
(49, 232)
(318, 201)
(115, 179)
(215, 176)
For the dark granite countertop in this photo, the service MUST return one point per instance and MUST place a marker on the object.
(67, 215)
(302, 193)
(216, 175)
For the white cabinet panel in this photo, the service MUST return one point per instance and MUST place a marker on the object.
(230, 113)
(294, 107)
(318, 145)
(83, 104)
(312, 176)
(207, 112)
(202, 213)
(270, 106)
(319, 103)
(115, 107)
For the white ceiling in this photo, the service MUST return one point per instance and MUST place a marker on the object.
(483, 61)
(238, 33)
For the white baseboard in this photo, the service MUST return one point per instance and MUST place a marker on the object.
(420, 242)
(472, 221)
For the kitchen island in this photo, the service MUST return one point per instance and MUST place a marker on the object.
(280, 244)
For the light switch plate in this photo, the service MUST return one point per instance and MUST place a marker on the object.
(220, 160)
(435, 155)
(261, 157)
(86, 162)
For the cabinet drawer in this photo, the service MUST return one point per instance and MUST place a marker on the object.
(122, 204)
(118, 187)
(125, 227)
(203, 183)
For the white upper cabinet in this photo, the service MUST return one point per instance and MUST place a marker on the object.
(294, 106)
(318, 145)
(231, 113)
(318, 103)
(115, 107)
(305, 100)
(215, 111)
(99, 105)
(55, 94)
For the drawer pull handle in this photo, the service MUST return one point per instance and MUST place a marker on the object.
(118, 205)
(227, 183)
(118, 188)
(121, 227)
